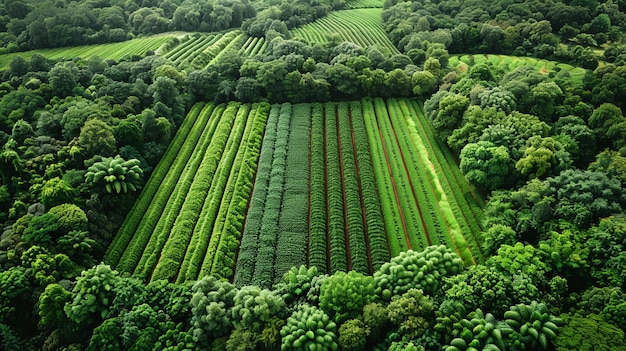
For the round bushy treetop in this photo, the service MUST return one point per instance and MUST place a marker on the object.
(254, 307)
(419, 270)
(56, 191)
(211, 303)
(296, 282)
(343, 295)
(589, 333)
(309, 328)
(412, 312)
(482, 287)
(115, 174)
(353, 335)
(71, 217)
(93, 293)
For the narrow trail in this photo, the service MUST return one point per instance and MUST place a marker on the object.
(363, 212)
(343, 194)
(393, 185)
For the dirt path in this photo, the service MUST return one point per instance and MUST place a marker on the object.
(363, 212)
(346, 229)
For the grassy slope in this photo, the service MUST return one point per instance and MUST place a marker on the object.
(113, 51)
(360, 26)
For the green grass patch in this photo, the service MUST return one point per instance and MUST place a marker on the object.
(111, 51)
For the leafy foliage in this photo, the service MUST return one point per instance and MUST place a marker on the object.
(92, 294)
(535, 325)
(411, 312)
(309, 327)
(343, 295)
(212, 302)
(115, 174)
(419, 270)
(589, 333)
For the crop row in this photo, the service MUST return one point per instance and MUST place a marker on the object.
(229, 230)
(416, 229)
(352, 194)
(163, 228)
(372, 215)
(421, 191)
(359, 4)
(200, 171)
(339, 254)
(292, 226)
(317, 200)
(268, 238)
(111, 51)
(253, 46)
(204, 244)
(252, 229)
(150, 218)
(204, 57)
(131, 222)
(183, 50)
(431, 193)
(463, 203)
(439, 199)
(349, 24)
(220, 196)
(393, 215)
(215, 164)
(190, 53)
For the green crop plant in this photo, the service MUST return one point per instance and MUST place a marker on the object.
(130, 224)
(163, 229)
(317, 197)
(352, 194)
(142, 233)
(534, 324)
(239, 185)
(251, 231)
(479, 331)
(115, 174)
(339, 260)
(266, 254)
(378, 247)
(420, 270)
(361, 26)
(392, 214)
(309, 328)
(418, 229)
(292, 225)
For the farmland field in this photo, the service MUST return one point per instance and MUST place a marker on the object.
(245, 192)
(197, 199)
(199, 51)
(361, 26)
(112, 51)
(360, 4)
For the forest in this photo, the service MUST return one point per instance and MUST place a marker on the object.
(313, 175)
